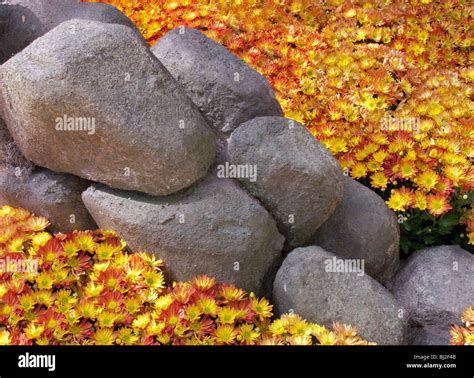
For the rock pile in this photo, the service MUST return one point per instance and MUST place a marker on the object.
(184, 152)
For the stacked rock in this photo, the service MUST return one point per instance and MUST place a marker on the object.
(183, 150)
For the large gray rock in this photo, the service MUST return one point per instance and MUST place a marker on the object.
(214, 228)
(429, 336)
(298, 180)
(52, 195)
(90, 99)
(362, 227)
(304, 285)
(225, 88)
(435, 285)
(23, 21)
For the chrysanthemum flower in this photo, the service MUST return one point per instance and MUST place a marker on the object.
(126, 336)
(437, 204)
(34, 331)
(231, 293)
(247, 334)
(5, 337)
(225, 334)
(359, 170)
(208, 306)
(401, 199)
(427, 180)
(261, 307)
(104, 336)
(379, 180)
(204, 283)
(227, 315)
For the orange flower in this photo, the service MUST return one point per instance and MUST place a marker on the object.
(437, 204)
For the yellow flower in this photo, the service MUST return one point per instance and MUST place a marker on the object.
(155, 328)
(154, 280)
(151, 260)
(225, 334)
(87, 310)
(427, 180)
(106, 319)
(32, 331)
(163, 302)
(125, 336)
(327, 338)
(104, 336)
(192, 313)
(471, 237)
(5, 338)
(93, 290)
(105, 251)
(420, 200)
(407, 169)
(379, 180)
(132, 305)
(70, 249)
(300, 340)
(455, 173)
(44, 280)
(247, 334)
(277, 327)
(261, 307)
(399, 200)
(232, 293)
(84, 241)
(141, 321)
(27, 302)
(44, 297)
(3, 290)
(359, 170)
(208, 306)
(16, 245)
(226, 315)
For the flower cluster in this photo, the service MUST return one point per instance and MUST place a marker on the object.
(464, 335)
(385, 85)
(87, 289)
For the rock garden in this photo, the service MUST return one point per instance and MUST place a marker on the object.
(187, 193)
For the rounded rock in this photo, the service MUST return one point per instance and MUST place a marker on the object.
(296, 179)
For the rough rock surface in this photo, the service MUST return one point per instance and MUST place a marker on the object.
(435, 285)
(429, 336)
(225, 88)
(362, 227)
(23, 21)
(89, 99)
(304, 285)
(298, 180)
(52, 195)
(11, 159)
(214, 228)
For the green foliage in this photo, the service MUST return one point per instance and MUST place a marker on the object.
(419, 229)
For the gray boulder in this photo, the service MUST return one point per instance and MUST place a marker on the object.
(23, 21)
(226, 89)
(429, 336)
(52, 195)
(306, 285)
(214, 228)
(362, 227)
(297, 179)
(90, 99)
(435, 285)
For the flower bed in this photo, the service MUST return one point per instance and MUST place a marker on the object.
(86, 289)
